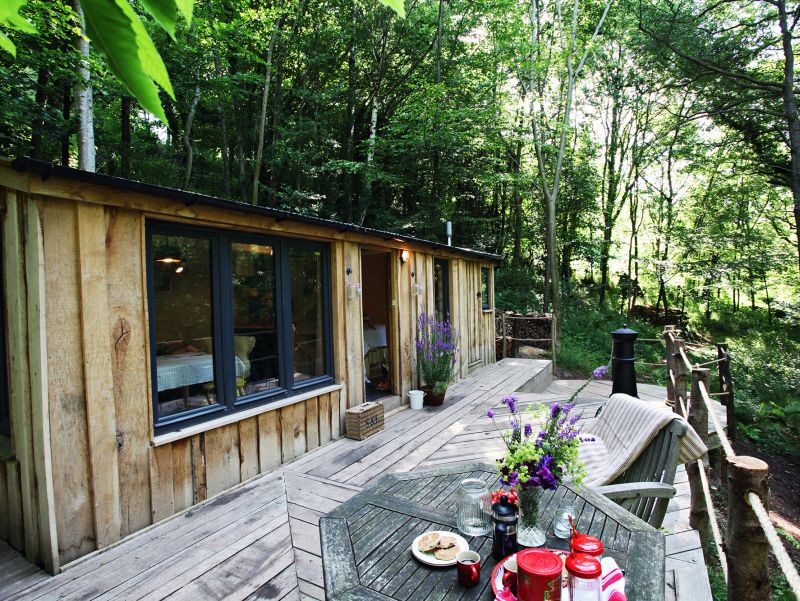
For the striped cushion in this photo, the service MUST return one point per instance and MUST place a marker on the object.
(622, 432)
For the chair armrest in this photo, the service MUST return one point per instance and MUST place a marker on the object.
(632, 490)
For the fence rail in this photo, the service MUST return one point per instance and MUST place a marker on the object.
(744, 554)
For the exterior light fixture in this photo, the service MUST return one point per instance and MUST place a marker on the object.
(170, 254)
(404, 256)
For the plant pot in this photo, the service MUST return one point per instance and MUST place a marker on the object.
(432, 399)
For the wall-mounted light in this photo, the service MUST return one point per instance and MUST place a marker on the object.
(169, 254)
(404, 256)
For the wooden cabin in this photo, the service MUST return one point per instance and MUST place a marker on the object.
(159, 347)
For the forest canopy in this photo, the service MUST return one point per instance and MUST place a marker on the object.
(653, 145)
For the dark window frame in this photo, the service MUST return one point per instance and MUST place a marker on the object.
(445, 264)
(222, 301)
(486, 304)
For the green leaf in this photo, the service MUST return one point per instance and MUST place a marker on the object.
(7, 45)
(9, 16)
(397, 6)
(165, 12)
(116, 30)
(186, 7)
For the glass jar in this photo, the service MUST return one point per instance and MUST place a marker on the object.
(583, 577)
(472, 515)
(561, 524)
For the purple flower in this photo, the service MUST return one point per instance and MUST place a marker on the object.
(555, 409)
(512, 479)
(511, 403)
(528, 429)
(490, 413)
(600, 372)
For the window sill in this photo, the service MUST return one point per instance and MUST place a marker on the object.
(238, 416)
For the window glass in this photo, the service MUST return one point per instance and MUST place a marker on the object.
(255, 339)
(486, 301)
(441, 289)
(308, 324)
(184, 323)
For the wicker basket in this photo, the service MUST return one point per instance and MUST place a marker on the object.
(364, 420)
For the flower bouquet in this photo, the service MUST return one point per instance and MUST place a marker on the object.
(541, 451)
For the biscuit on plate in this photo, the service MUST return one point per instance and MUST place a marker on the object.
(445, 542)
(446, 554)
(429, 542)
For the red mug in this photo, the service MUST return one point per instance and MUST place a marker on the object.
(468, 564)
(510, 575)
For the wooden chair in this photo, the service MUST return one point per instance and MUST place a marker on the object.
(647, 485)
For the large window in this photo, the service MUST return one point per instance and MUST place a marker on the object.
(486, 289)
(441, 289)
(235, 320)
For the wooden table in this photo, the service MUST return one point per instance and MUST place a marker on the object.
(366, 541)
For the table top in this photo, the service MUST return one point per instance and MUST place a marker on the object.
(366, 541)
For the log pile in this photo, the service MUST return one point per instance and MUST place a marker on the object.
(529, 329)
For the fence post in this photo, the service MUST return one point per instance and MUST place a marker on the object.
(746, 544)
(505, 341)
(726, 386)
(670, 351)
(681, 376)
(698, 419)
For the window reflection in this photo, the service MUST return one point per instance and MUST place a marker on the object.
(308, 326)
(184, 323)
(255, 338)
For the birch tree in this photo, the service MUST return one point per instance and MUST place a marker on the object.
(552, 85)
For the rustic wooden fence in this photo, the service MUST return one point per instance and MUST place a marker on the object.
(744, 554)
(512, 329)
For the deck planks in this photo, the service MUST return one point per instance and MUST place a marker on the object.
(261, 540)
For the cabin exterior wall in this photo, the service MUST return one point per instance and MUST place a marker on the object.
(83, 467)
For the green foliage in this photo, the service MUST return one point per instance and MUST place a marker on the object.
(10, 17)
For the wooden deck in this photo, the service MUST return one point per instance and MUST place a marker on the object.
(261, 540)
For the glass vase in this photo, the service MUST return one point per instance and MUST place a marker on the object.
(529, 533)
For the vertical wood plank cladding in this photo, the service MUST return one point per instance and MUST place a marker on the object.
(222, 459)
(67, 403)
(269, 440)
(325, 418)
(37, 368)
(338, 309)
(4, 514)
(199, 488)
(129, 374)
(354, 329)
(405, 311)
(98, 380)
(19, 384)
(16, 532)
(312, 423)
(293, 431)
(182, 482)
(161, 488)
(335, 414)
(248, 449)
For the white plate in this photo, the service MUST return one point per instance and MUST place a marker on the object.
(428, 558)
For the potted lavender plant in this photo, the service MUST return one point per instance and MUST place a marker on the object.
(437, 347)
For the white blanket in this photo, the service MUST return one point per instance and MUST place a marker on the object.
(623, 430)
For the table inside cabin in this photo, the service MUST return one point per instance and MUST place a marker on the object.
(366, 542)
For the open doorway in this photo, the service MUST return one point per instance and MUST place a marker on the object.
(379, 381)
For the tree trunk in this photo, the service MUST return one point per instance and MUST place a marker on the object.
(792, 119)
(65, 110)
(40, 101)
(263, 118)
(125, 136)
(187, 137)
(84, 102)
